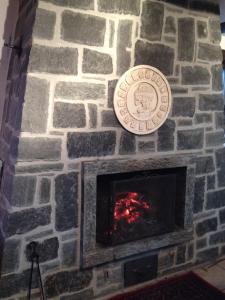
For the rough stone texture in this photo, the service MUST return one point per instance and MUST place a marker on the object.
(202, 29)
(204, 165)
(91, 29)
(39, 148)
(10, 261)
(68, 115)
(222, 216)
(87, 295)
(48, 250)
(40, 29)
(145, 147)
(206, 226)
(53, 60)
(127, 143)
(183, 107)
(217, 82)
(201, 243)
(207, 255)
(123, 42)
(82, 4)
(152, 21)
(220, 158)
(209, 52)
(155, 55)
(66, 193)
(201, 118)
(79, 90)
(211, 102)
(111, 90)
(36, 100)
(91, 144)
(215, 199)
(214, 138)
(120, 6)
(109, 119)
(219, 119)
(96, 62)
(186, 39)
(92, 108)
(190, 139)
(20, 222)
(170, 26)
(211, 181)
(69, 253)
(23, 191)
(221, 177)
(217, 238)
(57, 284)
(199, 194)
(45, 190)
(166, 136)
(195, 75)
(214, 30)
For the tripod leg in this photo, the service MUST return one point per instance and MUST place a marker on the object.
(41, 284)
(30, 280)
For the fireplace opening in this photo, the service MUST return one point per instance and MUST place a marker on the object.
(136, 205)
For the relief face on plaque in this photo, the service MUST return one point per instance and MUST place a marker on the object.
(142, 99)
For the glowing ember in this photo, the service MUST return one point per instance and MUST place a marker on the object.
(129, 208)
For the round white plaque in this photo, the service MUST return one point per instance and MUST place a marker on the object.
(142, 99)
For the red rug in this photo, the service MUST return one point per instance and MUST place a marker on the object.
(185, 287)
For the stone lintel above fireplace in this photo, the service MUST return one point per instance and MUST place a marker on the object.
(93, 253)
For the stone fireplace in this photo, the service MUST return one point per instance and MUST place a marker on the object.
(101, 201)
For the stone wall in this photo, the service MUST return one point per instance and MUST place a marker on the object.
(79, 51)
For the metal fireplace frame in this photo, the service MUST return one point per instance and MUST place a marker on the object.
(92, 253)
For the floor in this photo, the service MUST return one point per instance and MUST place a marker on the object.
(214, 274)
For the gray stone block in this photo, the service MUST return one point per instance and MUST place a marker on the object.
(35, 109)
(45, 190)
(219, 120)
(53, 60)
(221, 177)
(69, 253)
(39, 149)
(190, 251)
(215, 199)
(127, 143)
(91, 28)
(186, 39)
(220, 158)
(145, 147)
(209, 52)
(214, 30)
(201, 243)
(80, 91)
(178, 90)
(215, 139)
(152, 20)
(84, 295)
(181, 253)
(93, 111)
(217, 82)
(202, 29)
(123, 42)
(199, 194)
(222, 216)
(207, 255)
(41, 30)
(111, 89)
(20, 222)
(40, 168)
(206, 226)
(91, 144)
(217, 238)
(156, 55)
(66, 195)
(11, 256)
(204, 165)
(47, 249)
(96, 62)
(109, 119)
(201, 118)
(78, 4)
(57, 284)
(195, 75)
(170, 25)
(120, 6)
(68, 115)
(184, 122)
(166, 136)
(183, 106)
(211, 102)
(211, 182)
(23, 191)
(190, 139)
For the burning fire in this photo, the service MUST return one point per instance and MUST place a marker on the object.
(129, 208)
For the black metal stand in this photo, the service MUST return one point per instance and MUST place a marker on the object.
(34, 259)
